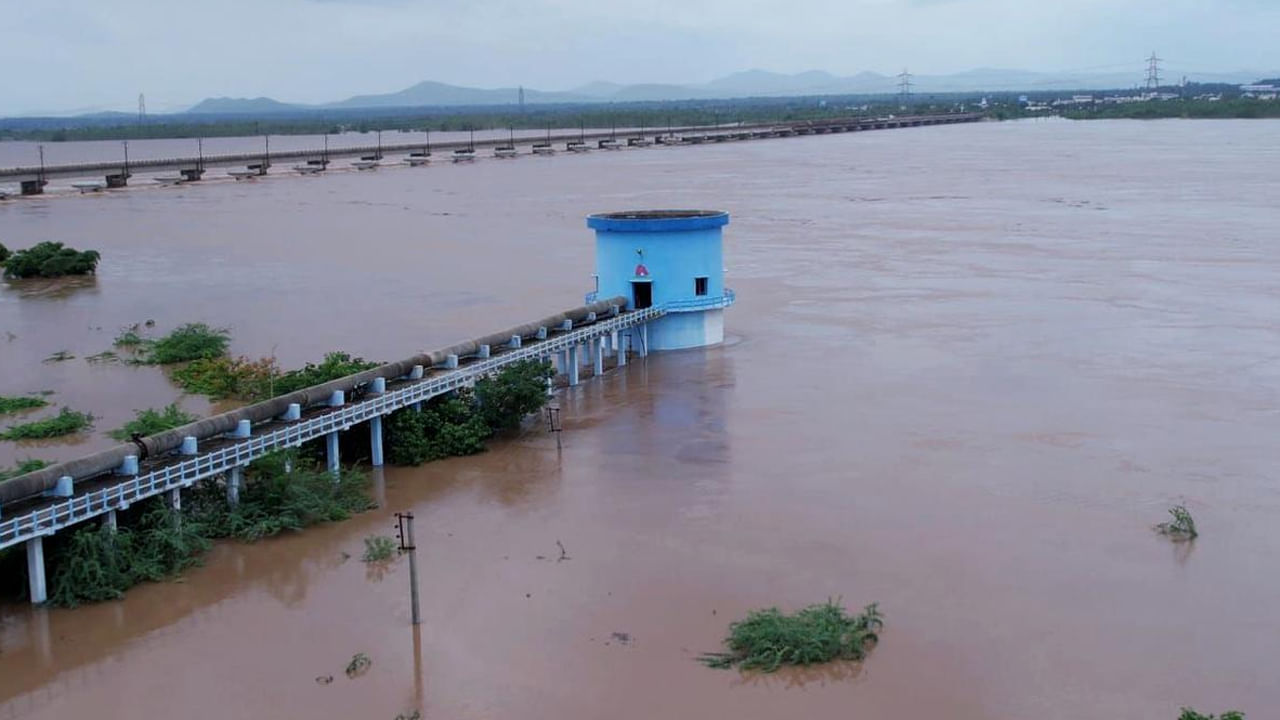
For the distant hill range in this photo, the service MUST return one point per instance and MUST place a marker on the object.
(750, 83)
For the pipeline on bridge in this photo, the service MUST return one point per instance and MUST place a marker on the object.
(35, 483)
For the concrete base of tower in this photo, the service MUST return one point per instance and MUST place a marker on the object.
(677, 331)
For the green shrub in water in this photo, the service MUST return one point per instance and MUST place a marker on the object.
(99, 563)
(66, 422)
(151, 422)
(193, 341)
(1189, 714)
(274, 500)
(378, 548)
(50, 259)
(4, 253)
(768, 639)
(17, 404)
(445, 427)
(514, 392)
(335, 365)
(1182, 527)
(23, 468)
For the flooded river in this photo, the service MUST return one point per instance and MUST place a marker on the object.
(968, 369)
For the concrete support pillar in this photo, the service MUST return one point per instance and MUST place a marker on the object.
(644, 340)
(592, 349)
(573, 364)
(243, 430)
(599, 344)
(293, 413)
(378, 386)
(451, 361)
(331, 451)
(515, 341)
(175, 499)
(621, 341)
(235, 481)
(417, 372)
(542, 332)
(110, 520)
(375, 441)
(129, 466)
(189, 445)
(35, 570)
(483, 352)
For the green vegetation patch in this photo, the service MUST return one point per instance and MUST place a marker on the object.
(460, 423)
(1181, 527)
(1189, 714)
(226, 378)
(276, 498)
(100, 563)
(66, 422)
(334, 366)
(23, 468)
(768, 639)
(378, 548)
(152, 421)
(193, 341)
(4, 254)
(17, 404)
(49, 260)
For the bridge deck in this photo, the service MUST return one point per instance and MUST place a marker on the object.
(97, 496)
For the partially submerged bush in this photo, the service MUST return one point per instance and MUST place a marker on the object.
(100, 563)
(50, 259)
(1189, 714)
(378, 548)
(335, 365)
(226, 378)
(66, 422)
(459, 423)
(1182, 527)
(768, 639)
(275, 499)
(193, 341)
(4, 253)
(23, 468)
(446, 426)
(517, 390)
(152, 421)
(17, 404)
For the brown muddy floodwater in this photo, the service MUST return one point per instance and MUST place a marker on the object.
(969, 368)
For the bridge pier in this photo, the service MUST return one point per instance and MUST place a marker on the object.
(599, 344)
(235, 481)
(175, 499)
(118, 180)
(35, 570)
(32, 187)
(337, 399)
(377, 387)
(573, 365)
(110, 520)
(620, 347)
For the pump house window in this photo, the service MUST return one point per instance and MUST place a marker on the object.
(700, 286)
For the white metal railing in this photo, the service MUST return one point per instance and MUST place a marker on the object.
(701, 303)
(52, 518)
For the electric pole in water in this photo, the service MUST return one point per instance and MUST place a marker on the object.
(1153, 73)
(904, 88)
(404, 528)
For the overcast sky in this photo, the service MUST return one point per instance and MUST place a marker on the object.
(62, 55)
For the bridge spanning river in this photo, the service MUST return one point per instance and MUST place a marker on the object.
(32, 179)
(45, 502)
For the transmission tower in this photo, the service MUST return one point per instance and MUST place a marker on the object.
(904, 87)
(1153, 73)
(142, 108)
(521, 99)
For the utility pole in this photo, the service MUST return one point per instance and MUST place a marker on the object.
(1153, 73)
(904, 88)
(404, 528)
(521, 99)
(142, 108)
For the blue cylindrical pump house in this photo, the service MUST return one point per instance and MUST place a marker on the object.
(669, 259)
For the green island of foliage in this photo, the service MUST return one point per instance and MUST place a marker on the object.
(10, 404)
(66, 422)
(49, 260)
(769, 639)
(152, 421)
